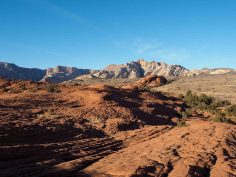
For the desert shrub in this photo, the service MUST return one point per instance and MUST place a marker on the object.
(181, 123)
(209, 104)
(189, 111)
(231, 110)
(191, 99)
(23, 87)
(202, 106)
(183, 114)
(204, 99)
(218, 104)
(220, 117)
(202, 102)
(76, 84)
(224, 103)
(188, 94)
(52, 89)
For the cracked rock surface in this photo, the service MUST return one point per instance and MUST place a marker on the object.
(201, 149)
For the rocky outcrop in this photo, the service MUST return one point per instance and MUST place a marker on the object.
(85, 77)
(63, 73)
(163, 69)
(141, 68)
(147, 82)
(12, 71)
(152, 81)
(180, 152)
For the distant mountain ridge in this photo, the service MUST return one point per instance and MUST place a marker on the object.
(12, 71)
(63, 73)
(141, 68)
(134, 69)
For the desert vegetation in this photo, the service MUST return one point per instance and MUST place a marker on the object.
(231, 110)
(219, 110)
(221, 87)
(52, 88)
(182, 123)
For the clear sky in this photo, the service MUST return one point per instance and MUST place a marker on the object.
(94, 33)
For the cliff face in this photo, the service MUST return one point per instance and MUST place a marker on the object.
(142, 68)
(63, 73)
(53, 75)
(12, 71)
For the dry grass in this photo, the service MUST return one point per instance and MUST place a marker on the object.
(219, 86)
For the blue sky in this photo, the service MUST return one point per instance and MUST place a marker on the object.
(94, 33)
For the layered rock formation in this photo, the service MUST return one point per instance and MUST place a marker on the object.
(141, 68)
(63, 73)
(134, 69)
(147, 82)
(181, 152)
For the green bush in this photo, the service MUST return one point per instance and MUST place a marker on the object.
(204, 99)
(209, 104)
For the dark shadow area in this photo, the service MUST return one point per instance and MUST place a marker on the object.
(47, 148)
(37, 150)
(199, 171)
(161, 114)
